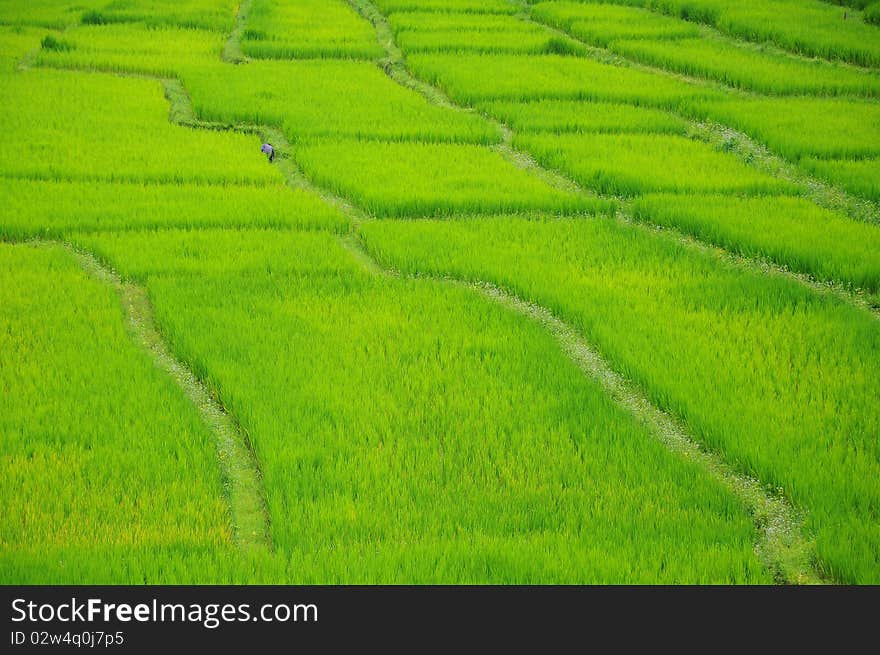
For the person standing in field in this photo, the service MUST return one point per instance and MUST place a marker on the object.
(269, 150)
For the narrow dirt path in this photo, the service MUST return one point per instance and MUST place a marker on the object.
(232, 48)
(241, 475)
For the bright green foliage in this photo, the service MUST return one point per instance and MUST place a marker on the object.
(872, 13)
(532, 42)
(432, 21)
(794, 127)
(855, 4)
(751, 67)
(133, 48)
(279, 29)
(791, 231)
(471, 78)
(603, 23)
(105, 466)
(860, 177)
(468, 32)
(216, 15)
(228, 253)
(16, 42)
(411, 431)
(808, 27)
(55, 14)
(49, 208)
(630, 164)
(417, 179)
(780, 379)
(465, 6)
(579, 116)
(315, 98)
(81, 126)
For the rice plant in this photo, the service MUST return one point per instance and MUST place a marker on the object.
(54, 14)
(314, 98)
(469, 32)
(751, 68)
(473, 78)
(797, 127)
(133, 48)
(602, 24)
(561, 116)
(308, 28)
(18, 41)
(861, 177)
(217, 15)
(808, 27)
(83, 126)
(418, 179)
(632, 164)
(411, 431)
(781, 380)
(106, 467)
(54, 209)
(791, 231)
(443, 6)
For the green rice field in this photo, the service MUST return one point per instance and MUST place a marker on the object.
(439, 292)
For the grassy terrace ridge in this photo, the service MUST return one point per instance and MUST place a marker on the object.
(532, 292)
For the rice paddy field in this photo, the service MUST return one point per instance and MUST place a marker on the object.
(557, 292)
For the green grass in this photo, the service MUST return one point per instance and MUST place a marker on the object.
(314, 98)
(464, 6)
(218, 15)
(469, 32)
(308, 28)
(107, 473)
(795, 127)
(417, 179)
(84, 126)
(751, 68)
(54, 209)
(631, 164)
(16, 42)
(133, 48)
(453, 21)
(791, 231)
(861, 177)
(56, 14)
(807, 27)
(600, 24)
(561, 116)
(473, 78)
(778, 378)
(410, 431)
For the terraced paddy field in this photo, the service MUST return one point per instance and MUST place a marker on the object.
(529, 292)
